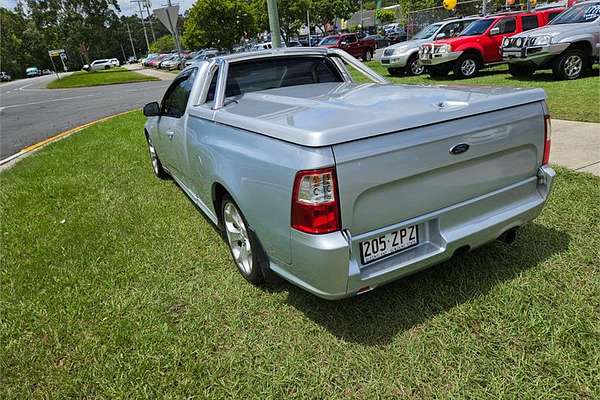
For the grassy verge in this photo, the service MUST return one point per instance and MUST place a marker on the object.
(572, 100)
(97, 78)
(114, 286)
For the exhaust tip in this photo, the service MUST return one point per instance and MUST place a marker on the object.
(509, 236)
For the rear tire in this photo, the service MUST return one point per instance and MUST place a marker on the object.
(521, 71)
(244, 246)
(467, 66)
(367, 56)
(571, 64)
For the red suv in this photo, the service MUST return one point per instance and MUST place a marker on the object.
(479, 45)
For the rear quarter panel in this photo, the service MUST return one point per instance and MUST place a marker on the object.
(257, 171)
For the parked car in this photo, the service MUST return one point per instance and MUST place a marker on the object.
(131, 60)
(479, 45)
(4, 77)
(202, 56)
(351, 44)
(404, 57)
(569, 44)
(98, 65)
(281, 151)
(46, 72)
(293, 43)
(32, 72)
(380, 41)
(397, 35)
(115, 62)
(172, 63)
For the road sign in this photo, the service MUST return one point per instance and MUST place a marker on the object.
(168, 16)
(56, 53)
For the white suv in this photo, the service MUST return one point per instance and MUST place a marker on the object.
(98, 65)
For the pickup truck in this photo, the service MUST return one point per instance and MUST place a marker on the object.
(479, 44)
(340, 187)
(570, 44)
(351, 44)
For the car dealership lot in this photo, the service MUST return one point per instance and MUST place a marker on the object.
(115, 286)
(31, 113)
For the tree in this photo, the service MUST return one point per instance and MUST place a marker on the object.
(326, 11)
(163, 44)
(218, 23)
(385, 16)
(292, 16)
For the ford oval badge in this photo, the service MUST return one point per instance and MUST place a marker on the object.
(459, 148)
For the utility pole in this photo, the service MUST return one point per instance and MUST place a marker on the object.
(147, 3)
(308, 25)
(483, 7)
(139, 3)
(362, 23)
(131, 40)
(273, 23)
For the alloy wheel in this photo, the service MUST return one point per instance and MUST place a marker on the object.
(153, 157)
(468, 67)
(237, 238)
(416, 68)
(573, 66)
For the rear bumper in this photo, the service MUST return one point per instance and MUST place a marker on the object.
(536, 55)
(329, 265)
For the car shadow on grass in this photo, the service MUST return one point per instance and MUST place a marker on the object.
(376, 317)
(547, 76)
(451, 78)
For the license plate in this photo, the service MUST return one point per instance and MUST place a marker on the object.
(385, 61)
(390, 243)
(425, 61)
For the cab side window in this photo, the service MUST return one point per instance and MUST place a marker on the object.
(452, 29)
(529, 22)
(176, 98)
(350, 39)
(507, 25)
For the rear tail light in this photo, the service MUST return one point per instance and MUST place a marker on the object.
(315, 204)
(547, 139)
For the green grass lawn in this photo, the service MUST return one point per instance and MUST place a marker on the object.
(577, 100)
(97, 78)
(113, 285)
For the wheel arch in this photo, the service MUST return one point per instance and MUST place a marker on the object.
(475, 52)
(583, 45)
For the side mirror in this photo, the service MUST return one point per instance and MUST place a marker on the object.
(152, 109)
(343, 43)
(494, 31)
(440, 35)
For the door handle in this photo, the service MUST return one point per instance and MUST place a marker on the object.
(170, 134)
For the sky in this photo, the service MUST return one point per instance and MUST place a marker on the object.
(127, 7)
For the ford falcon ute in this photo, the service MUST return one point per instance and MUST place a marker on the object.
(340, 187)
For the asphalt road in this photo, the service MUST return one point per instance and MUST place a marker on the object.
(29, 113)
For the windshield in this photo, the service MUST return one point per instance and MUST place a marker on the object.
(478, 27)
(578, 14)
(329, 40)
(427, 32)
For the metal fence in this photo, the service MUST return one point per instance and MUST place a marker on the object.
(416, 20)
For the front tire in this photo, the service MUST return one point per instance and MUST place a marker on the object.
(521, 71)
(157, 167)
(243, 245)
(569, 65)
(467, 66)
(414, 66)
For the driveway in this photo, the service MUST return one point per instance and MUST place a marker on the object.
(29, 113)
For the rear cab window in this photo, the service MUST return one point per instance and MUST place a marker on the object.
(271, 73)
